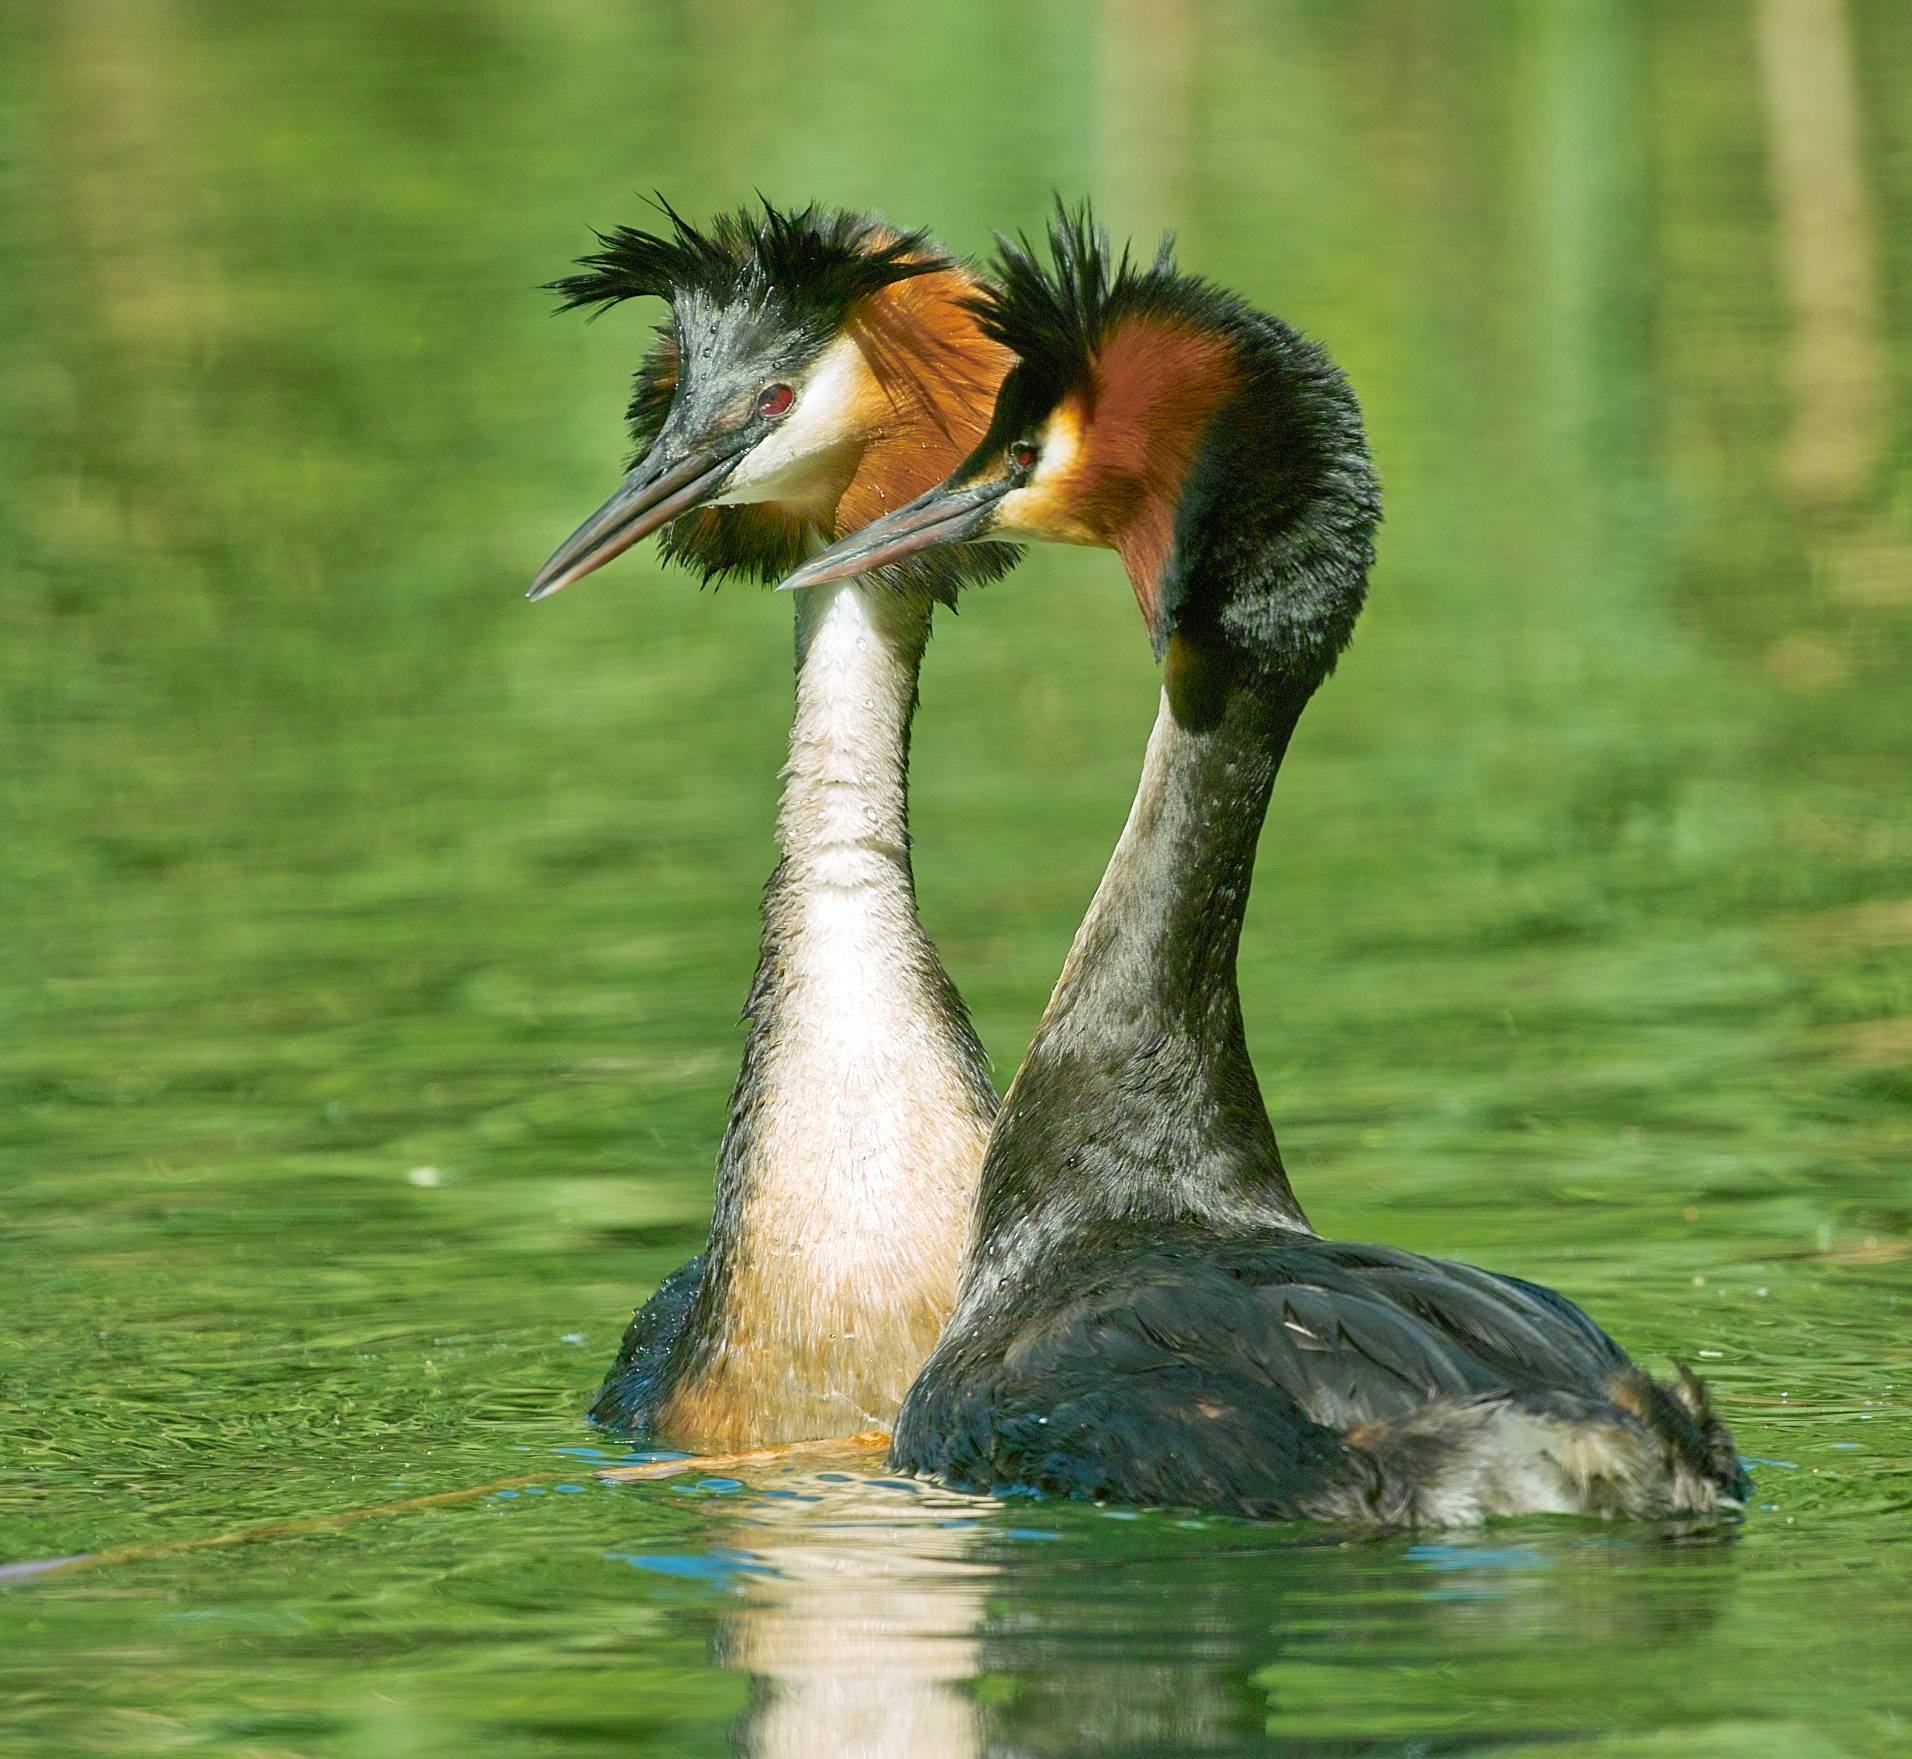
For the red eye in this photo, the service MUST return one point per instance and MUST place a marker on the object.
(773, 400)
(1023, 455)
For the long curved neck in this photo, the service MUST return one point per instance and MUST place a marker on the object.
(1137, 1098)
(856, 1130)
(844, 816)
(862, 1080)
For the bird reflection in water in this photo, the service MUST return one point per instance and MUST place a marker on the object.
(877, 1618)
(859, 1625)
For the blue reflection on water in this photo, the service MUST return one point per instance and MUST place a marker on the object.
(720, 1567)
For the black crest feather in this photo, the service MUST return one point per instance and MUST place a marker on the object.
(821, 260)
(1053, 317)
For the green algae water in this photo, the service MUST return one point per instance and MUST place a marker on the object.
(375, 942)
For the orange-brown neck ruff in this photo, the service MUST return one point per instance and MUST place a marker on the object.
(933, 380)
(1158, 383)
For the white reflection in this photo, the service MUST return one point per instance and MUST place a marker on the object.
(1839, 369)
(861, 1634)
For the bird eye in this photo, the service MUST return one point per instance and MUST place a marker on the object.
(1023, 455)
(773, 400)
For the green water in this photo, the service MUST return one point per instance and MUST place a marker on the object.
(375, 942)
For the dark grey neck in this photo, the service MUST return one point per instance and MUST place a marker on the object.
(1137, 1099)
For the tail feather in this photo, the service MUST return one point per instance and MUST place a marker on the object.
(1646, 1450)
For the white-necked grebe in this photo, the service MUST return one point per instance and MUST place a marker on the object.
(817, 368)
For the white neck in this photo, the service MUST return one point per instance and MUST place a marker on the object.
(867, 1072)
(844, 818)
(858, 1126)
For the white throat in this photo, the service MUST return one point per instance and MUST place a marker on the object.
(857, 1132)
(862, 1046)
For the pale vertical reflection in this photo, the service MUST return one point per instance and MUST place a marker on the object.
(1828, 260)
(861, 1635)
(1147, 66)
(122, 86)
(1580, 75)
(121, 94)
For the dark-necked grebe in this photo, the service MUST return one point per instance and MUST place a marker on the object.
(816, 369)
(1146, 1314)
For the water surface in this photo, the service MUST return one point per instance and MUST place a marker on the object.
(369, 1006)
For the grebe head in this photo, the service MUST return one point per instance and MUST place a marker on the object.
(1216, 450)
(816, 368)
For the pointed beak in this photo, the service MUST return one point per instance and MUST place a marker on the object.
(946, 515)
(654, 494)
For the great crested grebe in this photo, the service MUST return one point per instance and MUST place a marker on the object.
(817, 368)
(1146, 1314)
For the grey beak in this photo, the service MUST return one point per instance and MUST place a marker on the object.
(653, 495)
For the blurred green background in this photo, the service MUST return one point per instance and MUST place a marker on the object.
(375, 943)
